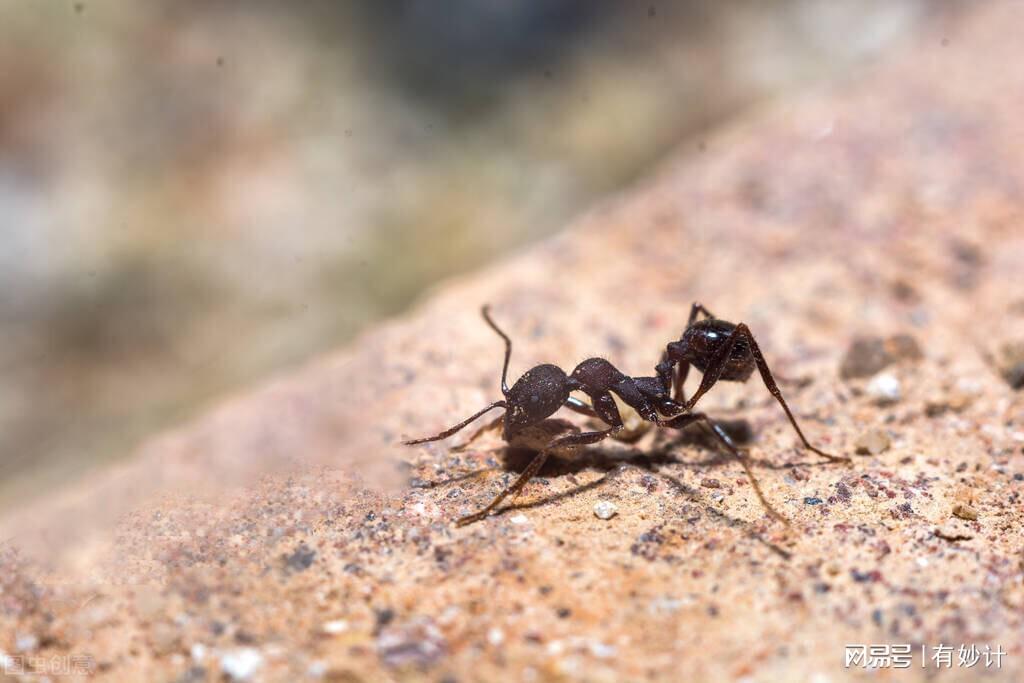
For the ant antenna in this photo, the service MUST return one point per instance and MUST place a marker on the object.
(486, 312)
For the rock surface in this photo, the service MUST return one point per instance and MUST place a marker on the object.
(261, 543)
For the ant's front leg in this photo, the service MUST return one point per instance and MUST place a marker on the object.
(681, 372)
(672, 377)
(685, 420)
(742, 331)
(717, 366)
(714, 369)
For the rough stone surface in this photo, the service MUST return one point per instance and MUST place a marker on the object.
(841, 215)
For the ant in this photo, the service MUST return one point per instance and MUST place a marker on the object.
(719, 349)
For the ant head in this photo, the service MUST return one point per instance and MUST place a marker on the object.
(701, 340)
(535, 397)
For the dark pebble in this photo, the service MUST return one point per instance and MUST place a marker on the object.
(384, 616)
(813, 501)
(865, 577)
(301, 559)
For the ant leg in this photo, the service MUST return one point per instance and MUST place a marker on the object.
(534, 467)
(687, 419)
(714, 369)
(678, 394)
(672, 377)
(581, 407)
(696, 308)
(448, 432)
(665, 369)
(766, 375)
(490, 426)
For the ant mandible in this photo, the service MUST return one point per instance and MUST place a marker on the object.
(719, 349)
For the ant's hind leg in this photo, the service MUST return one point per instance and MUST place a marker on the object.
(448, 432)
(769, 382)
(531, 470)
(723, 437)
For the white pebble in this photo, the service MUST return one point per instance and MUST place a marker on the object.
(198, 652)
(26, 642)
(884, 388)
(335, 627)
(604, 509)
(241, 664)
(495, 637)
(519, 519)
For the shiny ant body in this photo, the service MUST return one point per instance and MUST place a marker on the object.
(721, 350)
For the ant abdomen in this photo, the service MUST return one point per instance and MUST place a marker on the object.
(537, 395)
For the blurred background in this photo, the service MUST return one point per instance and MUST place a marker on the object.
(195, 195)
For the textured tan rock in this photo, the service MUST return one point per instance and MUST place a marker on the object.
(842, 215)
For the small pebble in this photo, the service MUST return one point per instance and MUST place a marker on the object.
(519, 519)
(1011, 364)
(418, 644)
(711, 483)
(865, 357)
(164, 637)
(884, 388)
(872, 442)
(605, 509)
(241, 664)
(26, 642)
(812, 501)
(869, 355)
(956, 531)
(965, 512)
(335, 627)
(903, 347)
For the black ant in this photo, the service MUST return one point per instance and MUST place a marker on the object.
(719, 349)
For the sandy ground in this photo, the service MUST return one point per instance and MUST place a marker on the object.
(264, 541)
